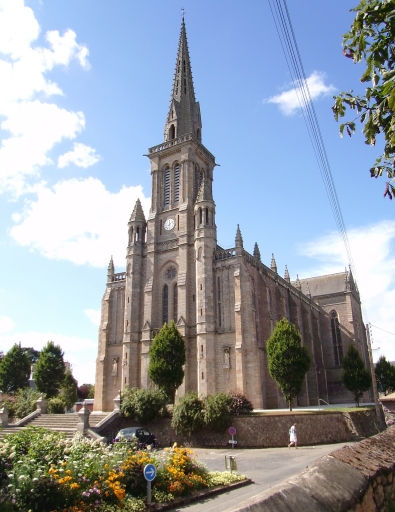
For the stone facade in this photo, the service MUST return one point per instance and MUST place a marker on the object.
(225, 302)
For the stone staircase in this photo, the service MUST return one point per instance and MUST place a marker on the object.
(66, 423)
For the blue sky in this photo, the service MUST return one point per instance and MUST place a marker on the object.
(84, 92)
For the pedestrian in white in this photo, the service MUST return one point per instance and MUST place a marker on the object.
(293, 438)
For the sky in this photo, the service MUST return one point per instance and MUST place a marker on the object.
(84, 92)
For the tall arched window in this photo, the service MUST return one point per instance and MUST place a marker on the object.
(167, 187)
(165, 305)
(175, 303)
(219, 301)
(172, 132)
(336, 339)
(176, 183)
(200, 216)
(206, 215)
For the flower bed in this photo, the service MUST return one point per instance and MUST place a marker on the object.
(41, 470)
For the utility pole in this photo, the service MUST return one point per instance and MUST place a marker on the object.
(374, 382)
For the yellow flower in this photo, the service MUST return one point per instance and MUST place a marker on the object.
(68, 471)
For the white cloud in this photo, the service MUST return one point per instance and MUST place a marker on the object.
(6, 324)
(80, 352)
(79, 221)
(372, 248)
(93, 315)
(35, 126)
(288, 100)
(81, 155)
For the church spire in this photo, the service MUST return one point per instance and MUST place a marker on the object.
(184, 112)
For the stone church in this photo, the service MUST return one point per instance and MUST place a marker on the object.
(225, 302)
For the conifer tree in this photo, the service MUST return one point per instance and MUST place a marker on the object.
(385, 376)
(50, 368)
(288, 360)
(69, 390)
(167, 357)
(14, 370)
(355, 376)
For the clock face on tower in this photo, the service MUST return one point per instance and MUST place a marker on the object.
(169, 224)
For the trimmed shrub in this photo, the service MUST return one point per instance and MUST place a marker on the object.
(142, 404)
(241, 405)
(217, 411)
(188, 414)
(56, 405)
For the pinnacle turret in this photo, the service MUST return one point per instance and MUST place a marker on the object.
(239, 238)
(138, 213)
(298, 284)
(257, 252)
(110, 271)
(184, 113)
(286, 274)
(273, 264)
(204, 193)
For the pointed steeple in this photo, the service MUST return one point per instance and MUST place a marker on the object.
(273, 264)
(298, 284)
(110, 271)
(184, 112)
(239, 238)
(286, 274)
(257, 252)
(137, 213)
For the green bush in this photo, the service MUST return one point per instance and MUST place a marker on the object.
(217, 411)
(142, 404)
(24, 403)
(240, 405)
(56, 405)
(188, 414)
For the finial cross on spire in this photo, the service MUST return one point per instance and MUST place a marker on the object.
(182, 13)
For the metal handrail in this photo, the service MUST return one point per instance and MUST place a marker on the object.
(321, 400)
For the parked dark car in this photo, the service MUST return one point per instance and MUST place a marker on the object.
(144, 437)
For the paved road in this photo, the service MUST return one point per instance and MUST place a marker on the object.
(265, 466)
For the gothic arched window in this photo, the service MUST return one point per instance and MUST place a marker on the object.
(165, 305)
(175, 303)
(176, 183)
(167, 187)
(172, 132)
(219, 301)
(336, 338)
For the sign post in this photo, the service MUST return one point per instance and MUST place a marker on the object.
(149, 475)
(232, 432)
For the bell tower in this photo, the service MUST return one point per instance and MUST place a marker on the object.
(181, 167)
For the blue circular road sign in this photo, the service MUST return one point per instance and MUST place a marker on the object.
(149, 472)
(232, 431)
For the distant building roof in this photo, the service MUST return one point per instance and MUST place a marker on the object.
(326, 285)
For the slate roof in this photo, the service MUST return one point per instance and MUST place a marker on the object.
(325, 285)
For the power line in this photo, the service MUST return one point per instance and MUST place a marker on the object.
(375, 326)
(288, 42)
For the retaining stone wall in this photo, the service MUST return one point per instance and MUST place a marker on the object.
(269, 430)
